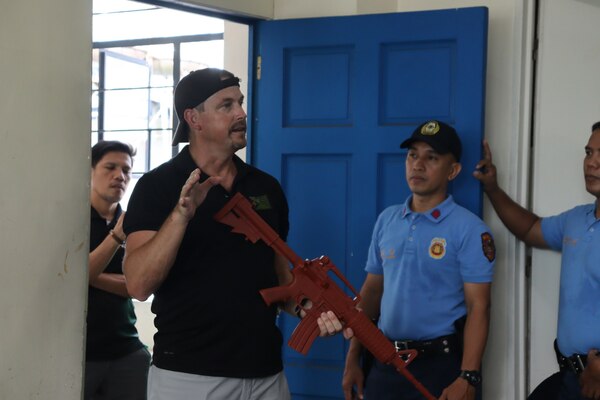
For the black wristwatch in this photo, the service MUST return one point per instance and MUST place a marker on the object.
(473, 377)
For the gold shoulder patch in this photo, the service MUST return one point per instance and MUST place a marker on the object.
(488, 246)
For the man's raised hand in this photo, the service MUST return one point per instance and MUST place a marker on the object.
(485, 170)
(193, 193)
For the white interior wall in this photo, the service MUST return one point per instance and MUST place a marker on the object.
(567, 106)
(286, 9)
(255, 8)
(45, 67)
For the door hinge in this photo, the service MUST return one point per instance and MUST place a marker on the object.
(258, 67)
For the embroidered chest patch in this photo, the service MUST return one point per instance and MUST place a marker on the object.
(260, 203)
(388, 255)
(437, 248)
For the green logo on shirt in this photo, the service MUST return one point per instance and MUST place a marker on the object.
(260, 202)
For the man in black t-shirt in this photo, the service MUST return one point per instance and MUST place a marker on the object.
(116, 360)
(216, 338)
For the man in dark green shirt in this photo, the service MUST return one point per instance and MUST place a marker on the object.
(116, 360)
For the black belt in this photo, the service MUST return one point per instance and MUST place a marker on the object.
(441, 345)
(575, 363)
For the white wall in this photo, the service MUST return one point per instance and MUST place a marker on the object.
(285, 9)
(255, 8)
(45, 80)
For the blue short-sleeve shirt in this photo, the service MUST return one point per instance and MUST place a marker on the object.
(576, 233)
(425, 259)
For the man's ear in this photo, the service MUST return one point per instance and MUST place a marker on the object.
(455, 169)
(192, 118)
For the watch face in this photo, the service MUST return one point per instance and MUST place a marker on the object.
(473, 377)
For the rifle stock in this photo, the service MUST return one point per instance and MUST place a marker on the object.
(311, 280)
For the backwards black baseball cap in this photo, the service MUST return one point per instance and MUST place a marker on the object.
(439, 135)
(193, 90)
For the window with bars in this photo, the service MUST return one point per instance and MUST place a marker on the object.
(134, 72)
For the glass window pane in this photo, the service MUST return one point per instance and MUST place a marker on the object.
(126, 67)
(95, 87)
(139, 141)
(161, 108)
(126, 109)
(159, 57)
(95, 68)
(95, 110)
(198, 55)
(137, 94)
(160, 150)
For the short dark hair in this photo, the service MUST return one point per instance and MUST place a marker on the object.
(596, 126)
(106, 146)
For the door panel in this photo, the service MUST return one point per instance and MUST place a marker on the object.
(334, 100)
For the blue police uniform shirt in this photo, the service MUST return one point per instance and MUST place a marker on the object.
(425, 258)
(576, 233)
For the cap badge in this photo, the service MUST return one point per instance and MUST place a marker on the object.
(437, 248)
(430, 128)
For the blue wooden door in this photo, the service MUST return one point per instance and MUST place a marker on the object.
(333, 98)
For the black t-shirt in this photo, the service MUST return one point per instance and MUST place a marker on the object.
(210, 317)
(111, 331)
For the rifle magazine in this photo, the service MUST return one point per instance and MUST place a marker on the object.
(305, 333)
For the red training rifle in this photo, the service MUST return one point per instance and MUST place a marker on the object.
(311, 280)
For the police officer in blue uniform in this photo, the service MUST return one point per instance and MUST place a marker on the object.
(575, 233)
(429, 271)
